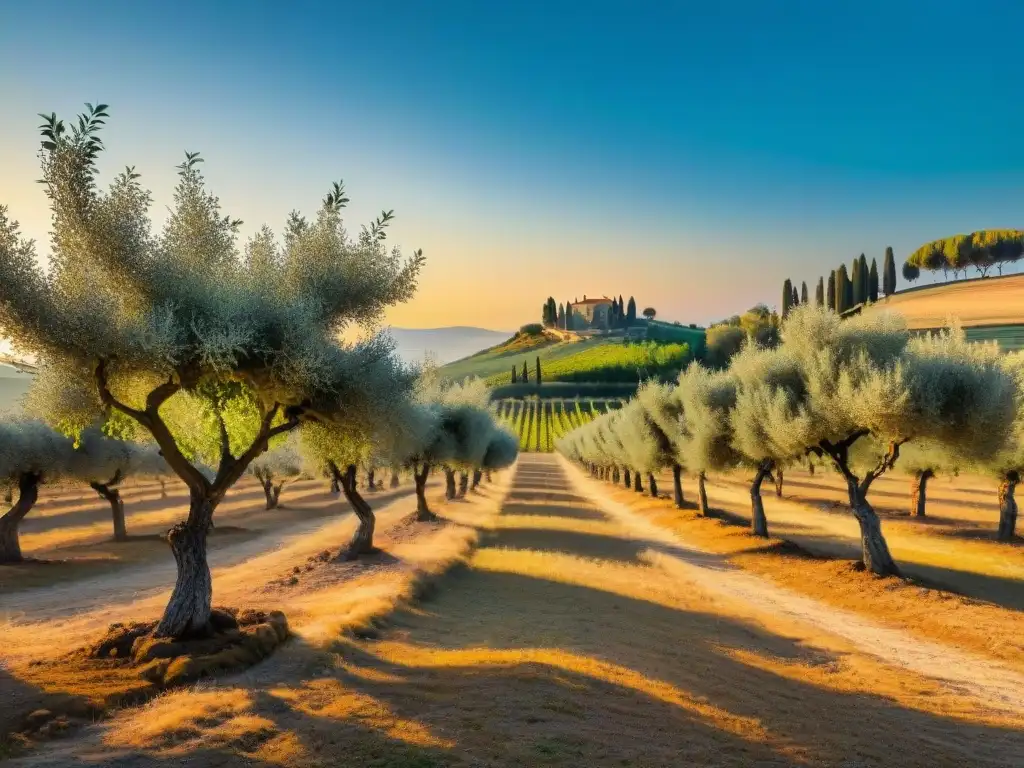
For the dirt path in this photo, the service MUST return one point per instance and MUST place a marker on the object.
(64, 615)
(987, 681)
(574, 637)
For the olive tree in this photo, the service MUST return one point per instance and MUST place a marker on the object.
(139, 318)
(770, 391)
(278, 466)
(707, 398)
(31, 453)
(105, 464)
(663, 408)
(865, 378)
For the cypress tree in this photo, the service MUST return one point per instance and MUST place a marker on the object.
(842, 290)
(514, 377)
(803, 292)
(568, 316)
(858, 283)
(819, 293)
(847, 290)
(561, 316)
(537, 374)
(889, 272)
(526, 373)
(862, 265)
(630, 312)
(873, 282)
(830, 291)
(796, 297)
(787, 296)
(622, 312)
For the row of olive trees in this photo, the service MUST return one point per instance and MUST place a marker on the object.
(184, 339)
(850, 394)
(33, 454)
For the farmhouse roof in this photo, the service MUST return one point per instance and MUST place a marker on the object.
(592, 301)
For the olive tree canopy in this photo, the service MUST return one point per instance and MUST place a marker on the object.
(137, 318)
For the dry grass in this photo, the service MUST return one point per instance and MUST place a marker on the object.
(559, 643)
(821, 566)
(324, 600)
(978, 302)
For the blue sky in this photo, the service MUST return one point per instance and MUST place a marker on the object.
(691, 154)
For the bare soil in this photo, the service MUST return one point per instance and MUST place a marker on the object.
(577, 633)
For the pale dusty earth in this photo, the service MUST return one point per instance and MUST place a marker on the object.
(577, 633)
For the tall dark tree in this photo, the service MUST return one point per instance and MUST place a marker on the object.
(515, 376)
(873, 282)
(819, 292)
(787, 296)
(858, 283)
(631, 312)
(561, 316)
(568, 316)
(803, 292)
(796, 297)
(848, 290)
(889, 272)
(537, 374)
(865, 278)
(622, 312)
(830, 291)
(526, 373)
(842, 290)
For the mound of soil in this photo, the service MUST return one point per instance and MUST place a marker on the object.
(238, 640)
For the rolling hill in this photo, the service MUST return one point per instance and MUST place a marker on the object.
(989, 309)
(13, 384)
(981, 301)
(443, 344)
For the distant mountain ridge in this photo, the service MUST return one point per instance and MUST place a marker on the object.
(444, 344)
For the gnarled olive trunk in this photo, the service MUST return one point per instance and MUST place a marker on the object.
(449, 484)
(616, 477)
(463, 484)
(1008, 506)
(188, 611)
(758, 521)
(28, 494)
(638, 484)
(272, 493)
(652, 485)
(625, 474)
(919, 492)
(423, 513)
(702, 493)
(477, 475)
(371, 482)
(395, 482)
(677, 485)
(874, 549)
(362, 540)
(163, 489)
(113, 498)
(335, 486)
(778, 482)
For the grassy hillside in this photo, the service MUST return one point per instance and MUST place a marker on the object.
(988, 301)
(500, 359)
(603, 359)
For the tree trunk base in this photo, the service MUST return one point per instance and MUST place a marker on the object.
(702, 494)
(1008, 508)
(677, 486)
(188, 611)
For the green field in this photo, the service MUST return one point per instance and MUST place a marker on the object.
(602, 359)
(540, 422)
